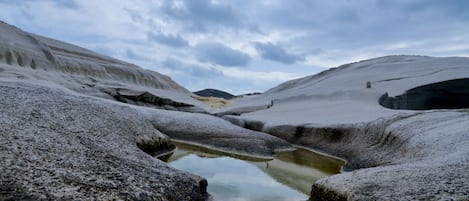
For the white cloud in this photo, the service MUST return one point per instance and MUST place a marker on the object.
(258, 76)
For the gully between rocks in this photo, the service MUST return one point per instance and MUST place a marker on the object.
(288, 176)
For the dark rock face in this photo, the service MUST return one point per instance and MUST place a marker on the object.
(147, 99)
(58, 146)
(451, 94)
(214, 93)
(324, 194)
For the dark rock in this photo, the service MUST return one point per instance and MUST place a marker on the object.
(450, 94)
(214, 93)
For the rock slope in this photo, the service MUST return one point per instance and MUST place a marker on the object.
(391, 154)
(30, 56)
(340, 95)
(423, 156)
(58, 146)
(78, 125)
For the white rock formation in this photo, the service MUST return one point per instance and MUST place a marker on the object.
(78, 125)
(29, 56)
(391, 154)
(55, 145)
(339, 95)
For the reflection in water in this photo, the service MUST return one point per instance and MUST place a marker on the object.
(287, 177)
(299, 169)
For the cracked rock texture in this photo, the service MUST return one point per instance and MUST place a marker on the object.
(423, 156)
(57, 146)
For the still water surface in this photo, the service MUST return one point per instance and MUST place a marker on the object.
(288, 177)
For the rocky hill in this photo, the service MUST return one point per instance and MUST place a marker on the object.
(214, 93)
(375, 114)
(341, 95)
(77, 125)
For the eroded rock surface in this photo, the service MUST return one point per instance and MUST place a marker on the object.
(30, 56)
(391, 154)
(78, 125)
(57, 146)
(214, 132)
(411, 157)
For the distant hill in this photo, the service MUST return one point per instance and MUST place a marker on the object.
(214, 93)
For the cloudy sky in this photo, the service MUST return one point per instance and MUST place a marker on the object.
(243, 45)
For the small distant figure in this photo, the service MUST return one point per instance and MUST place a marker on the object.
(271, 104)
(368, 84)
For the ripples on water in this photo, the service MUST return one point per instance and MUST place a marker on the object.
(288, 177)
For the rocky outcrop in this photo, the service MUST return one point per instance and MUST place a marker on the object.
(78, 125)
(406, 157)
(58, 146)
(215, 93)
(391, 154)
(31, 56)
(419, 156)
(147, 99)
(216, 133)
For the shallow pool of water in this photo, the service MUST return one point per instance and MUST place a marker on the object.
(287, 177)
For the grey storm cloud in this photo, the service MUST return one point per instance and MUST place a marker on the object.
(324, 24)
(202, 14)
(191, 69)
(276, 53)
(217, 53)
(328, 33)
(172, 40)
(349, 24)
